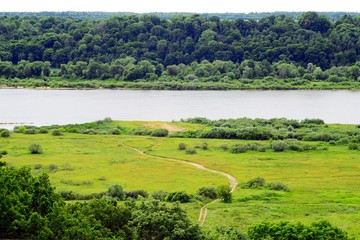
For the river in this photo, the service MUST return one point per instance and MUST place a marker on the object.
(45, 107)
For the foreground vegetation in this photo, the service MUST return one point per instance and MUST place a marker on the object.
(284, 177)
(183, 52)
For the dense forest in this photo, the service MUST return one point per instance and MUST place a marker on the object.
(185, 47)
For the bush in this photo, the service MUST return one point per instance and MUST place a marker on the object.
(181, 196)
(3, 152)
(255, 183)
(116, 191)
(37, 166)
(239, 148)
(207, 192)
(35, 149)
(224, 192)
(278, 186)
(30, 131)
(353, 146)
(279, 146)
(159, 195)
(56, 132)
(135, 194)
(205, 146)
(161, 132)
(141, 131)
(43, 130)
(115, 131)
(4, 133)
(190, 151)
(182, 146)
(53, 167)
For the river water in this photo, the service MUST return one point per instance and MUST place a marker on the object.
(45, 107)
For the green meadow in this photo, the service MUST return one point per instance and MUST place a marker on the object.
(324, 183)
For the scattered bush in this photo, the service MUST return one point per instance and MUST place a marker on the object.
(159, 195)
(182, 146)
(279, 146)
(161, 132)
(181, 196)
(30, 131)
(35, 148)
(205, 146)
(136, 194)
(207, 192)
(116, 191)
(224, 147)
(353, 146)
(37, 166)
(56, 132)
(277, 186)
(239, 148)
(141, 131)
(257, 182)
(115, 131)
(4, 133)
(3, 152)
(53, 167)
(190, 151)
(43, 130)
(102, 178)
(224, 192)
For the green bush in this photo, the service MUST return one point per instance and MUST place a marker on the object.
(279, 146)
(3, 152)
(116, 191)
(43, 130)
(136, 194)
(4, 133)
(257, 182)
(190, 151)
(277, 186)
(56, 132)
(207, 192)
(35, 149)
(53, 167)
(115, 131)
(353, 146)
(161, 132)
(239, 148)
(37, 166)
(224, 192)
(181, 196)
(181, 146)
(141, 131)
(30, 131)
(159, 195)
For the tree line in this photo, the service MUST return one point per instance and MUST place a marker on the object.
(188, 47)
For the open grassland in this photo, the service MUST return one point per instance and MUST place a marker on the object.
(324, 184)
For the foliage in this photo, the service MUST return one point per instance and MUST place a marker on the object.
(35, 148)
(159, 195)
(56, 132)
(207, 192)
(136, 194)
(224, 192)
(161, 132)
(4, 133)
(279, 146)
(116, 191)
(181, 146)
(181, 197)
(287, 230)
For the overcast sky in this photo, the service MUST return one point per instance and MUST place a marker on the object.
(200, 6)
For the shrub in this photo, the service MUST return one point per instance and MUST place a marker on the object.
(207, 192)
(30, 131)
(135, 194)
(224, 147)
(182, 146)
(3, 152)
(53, 167)
(205, 146)
(353, 146)
(190, 151)
(37, 166)
(239, 148)
(224, 192)
(116, 191)
(4, 133)
(279, 146)
(141, 131)
(43, 130)
(159, 195)
(277, 186)
(161, 132)
(115, 131)
(181, 196)
(257, 182)
(35, 148)
(56, 132)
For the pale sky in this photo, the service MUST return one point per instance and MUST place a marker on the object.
(200, 6)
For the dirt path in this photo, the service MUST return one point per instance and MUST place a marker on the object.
(203, 211)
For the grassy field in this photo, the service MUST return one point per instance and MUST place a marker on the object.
(324, 184)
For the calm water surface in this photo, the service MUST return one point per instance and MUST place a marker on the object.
(44, 107)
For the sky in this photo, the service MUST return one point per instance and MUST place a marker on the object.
(199, 6)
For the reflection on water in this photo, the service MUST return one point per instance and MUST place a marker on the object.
(44, 107)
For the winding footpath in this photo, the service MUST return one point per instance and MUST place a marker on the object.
(203, 211)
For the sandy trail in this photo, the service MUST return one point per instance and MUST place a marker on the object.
(203, 211)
